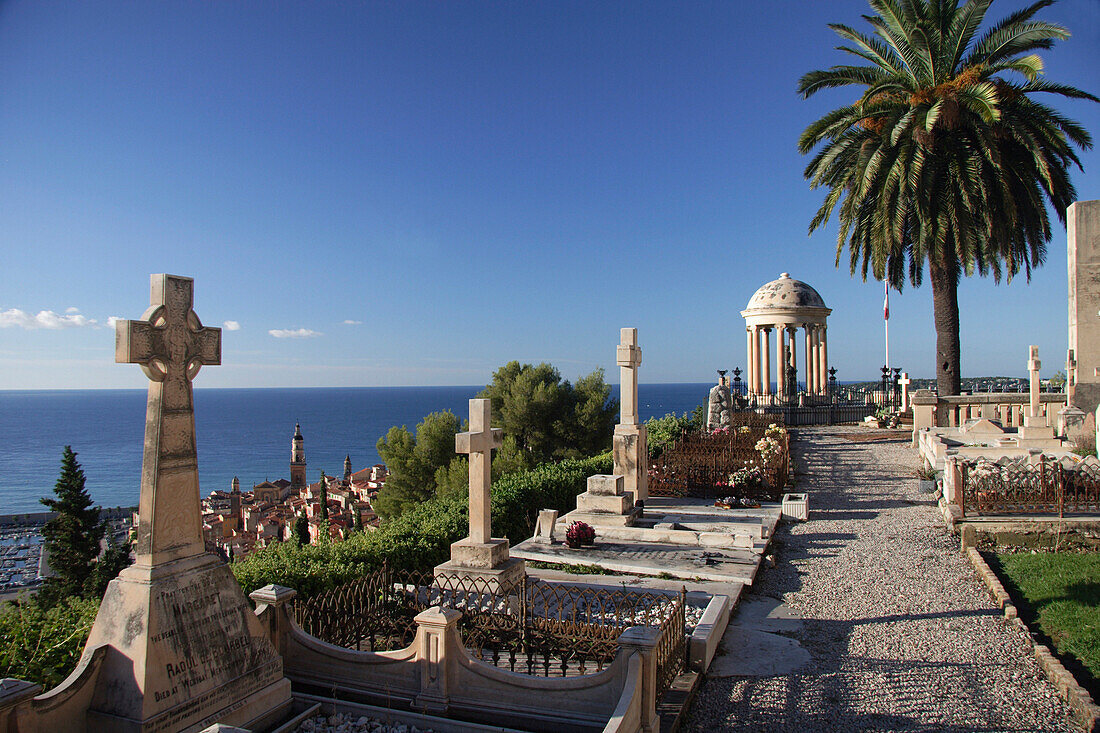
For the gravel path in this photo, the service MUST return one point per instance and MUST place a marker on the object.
(900, 633)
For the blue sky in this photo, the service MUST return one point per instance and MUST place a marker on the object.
(428, 190)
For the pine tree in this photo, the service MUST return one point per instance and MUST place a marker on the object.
(73, 536)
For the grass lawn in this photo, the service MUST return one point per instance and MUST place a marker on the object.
(1063, 592)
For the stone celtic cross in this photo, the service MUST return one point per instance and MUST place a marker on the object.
(479, 443)
(629, 357)
(170, 344)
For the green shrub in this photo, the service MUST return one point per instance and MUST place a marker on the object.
(40, 645)
(420, 538)
(663, 432)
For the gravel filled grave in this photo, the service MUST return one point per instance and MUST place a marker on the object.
(901, 634)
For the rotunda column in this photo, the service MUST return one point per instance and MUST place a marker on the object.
(766, 355)
(809, 357)
(824, 358)
(750, 361)
(780, 361)
(817, 359)
(756, 360)
(792, 357)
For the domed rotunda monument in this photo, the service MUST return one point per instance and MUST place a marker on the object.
(785, 305)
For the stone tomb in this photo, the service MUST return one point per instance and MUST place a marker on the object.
(175, 645)
(480, 556)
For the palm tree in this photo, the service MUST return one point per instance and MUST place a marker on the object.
(946, 159)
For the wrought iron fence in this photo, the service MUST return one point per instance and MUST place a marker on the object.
(537, 628)
(1048, 487)
(700, 463)
(836, 404)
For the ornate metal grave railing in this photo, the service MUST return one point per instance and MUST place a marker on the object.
(1048, 487)
(699, 463)
(539, 629)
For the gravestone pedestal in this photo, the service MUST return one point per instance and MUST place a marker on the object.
(605, 504)
(186, 651)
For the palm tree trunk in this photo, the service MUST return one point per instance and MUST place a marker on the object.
(945, 307)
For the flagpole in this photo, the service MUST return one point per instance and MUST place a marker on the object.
(886, 321)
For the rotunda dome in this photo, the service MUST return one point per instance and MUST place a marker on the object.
(786, 292)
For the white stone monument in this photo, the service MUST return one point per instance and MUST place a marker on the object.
(720, 404)
(183, 648)
(1083, 265)
(1036, 424)
(629, 451)
(480, 556)
(606, 503)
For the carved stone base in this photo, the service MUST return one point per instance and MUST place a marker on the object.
(503, 579)
(631, 459)
(602, 519)
(185, 650)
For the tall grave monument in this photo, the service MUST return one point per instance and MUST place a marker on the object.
(183, 648)
(1083, 263)
(629, 451)
(480, 556)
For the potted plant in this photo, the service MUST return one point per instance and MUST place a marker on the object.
(579, 534)
(926, 479)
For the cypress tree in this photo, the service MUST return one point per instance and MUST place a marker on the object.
(301, 529)
(73, 536)
(324, 498)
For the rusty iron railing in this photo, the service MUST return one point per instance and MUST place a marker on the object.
(537, 628)
(1048, 487)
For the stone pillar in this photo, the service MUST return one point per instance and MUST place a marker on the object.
(924, 412)
(793, 357)
(629, 451)
(766, 375)
(15, 704)
(1083, 265)
(437, 650)
(271, 609)
(750, 362)
(642, 640)
(1071, 377)
(808, 328)
(780, 361)
(1033, 366)
(756, 360)
(824, 376)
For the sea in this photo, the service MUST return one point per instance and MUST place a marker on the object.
(242, 433)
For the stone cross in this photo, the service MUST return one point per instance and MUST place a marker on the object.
(629, 358)
(905, 381)
(479, 444)
(170, 344)
(1033, 365)
(1071, 376)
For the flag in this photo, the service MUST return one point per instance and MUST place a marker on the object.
(886, 302)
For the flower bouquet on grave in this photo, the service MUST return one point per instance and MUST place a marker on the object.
(579, 534)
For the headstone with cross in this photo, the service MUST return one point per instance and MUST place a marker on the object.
(186, 650)
(479, 555)
(629, 452)
(1033, 366)
(905, 381)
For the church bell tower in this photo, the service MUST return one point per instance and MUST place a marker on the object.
(297, 460)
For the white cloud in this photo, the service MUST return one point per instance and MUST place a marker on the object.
(350, 322)
(112, 320)
(43, 319)
(232, 326)
(300, 333)
(72, 309)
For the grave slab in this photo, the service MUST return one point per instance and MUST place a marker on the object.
(651, 558)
